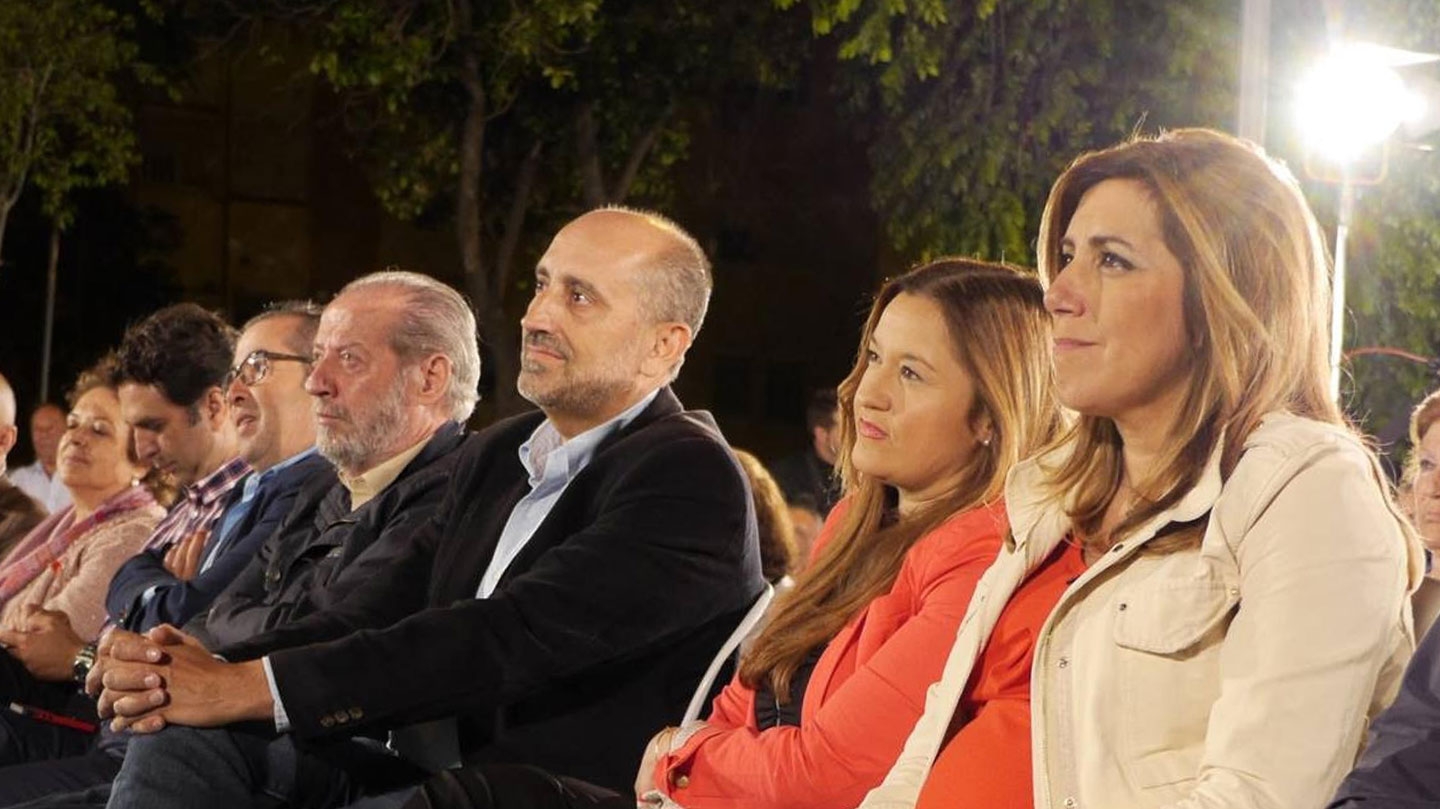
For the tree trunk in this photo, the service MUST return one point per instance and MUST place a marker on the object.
(51, 273)
(638, 153)
(486, 295)
(587, 153)
(4, 220)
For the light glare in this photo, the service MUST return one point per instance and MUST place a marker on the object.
(1353, 101)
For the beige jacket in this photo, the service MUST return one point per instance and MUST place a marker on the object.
(1238, 674)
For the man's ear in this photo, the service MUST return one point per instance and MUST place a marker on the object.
(215, 408)
(8, 435)
(435, 372)
(668, 344)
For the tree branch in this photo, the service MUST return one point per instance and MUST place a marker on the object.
(515, 218)
(638, 153)
(587, 156)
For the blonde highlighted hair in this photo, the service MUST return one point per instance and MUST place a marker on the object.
(1256, 309)
(999, 331)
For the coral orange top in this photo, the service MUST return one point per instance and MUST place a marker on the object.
(987, 762)
(864, 696)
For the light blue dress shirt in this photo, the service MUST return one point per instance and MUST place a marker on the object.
(552, 463)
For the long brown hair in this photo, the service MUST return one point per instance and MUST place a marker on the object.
(1000, 332)
(1256, 309)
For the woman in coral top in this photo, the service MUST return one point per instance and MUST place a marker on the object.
(1242, 612)
(950, 388)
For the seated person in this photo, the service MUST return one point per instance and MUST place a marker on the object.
(168, 372)
(950, 388)
(275, 435)
(52, 584)
(19, 512)
(1242, 605)
(588, 560)
(394, 452)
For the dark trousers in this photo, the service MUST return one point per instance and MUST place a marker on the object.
(67, 783)
(510, 786)
(23, 739)
(188, 767)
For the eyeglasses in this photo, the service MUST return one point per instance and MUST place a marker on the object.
(255, 368)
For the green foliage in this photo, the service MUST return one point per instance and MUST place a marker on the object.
(1393, 289)
(971, 110)
(640, 68)
(63, 124)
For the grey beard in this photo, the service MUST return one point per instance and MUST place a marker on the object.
(357, 450)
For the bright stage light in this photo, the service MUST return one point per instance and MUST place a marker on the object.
(1354, 100)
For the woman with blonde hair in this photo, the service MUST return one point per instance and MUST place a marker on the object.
(1242, 611)
(951, 386)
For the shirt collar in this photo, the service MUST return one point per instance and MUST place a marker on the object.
(365, 486)
(217, 484)
(546, 443)
(254, 482)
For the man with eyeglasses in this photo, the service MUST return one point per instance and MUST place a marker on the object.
(275, 435)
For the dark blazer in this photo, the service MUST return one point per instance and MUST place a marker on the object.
(1400, 765)
(599, 629)
(323, 549)
(176, 601)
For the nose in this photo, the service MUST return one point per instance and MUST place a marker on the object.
(236, 392)
(872, 393)
(318, 381)
(1064, 295)
(146, 447)
(538, 312)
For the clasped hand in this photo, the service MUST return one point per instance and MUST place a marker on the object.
(145, 682)
(46, 646)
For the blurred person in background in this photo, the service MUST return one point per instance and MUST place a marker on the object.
(772, 517)
(47, 424)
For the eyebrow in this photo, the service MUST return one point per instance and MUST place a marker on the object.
(875, 344)
(1100, 240)
(571, 282)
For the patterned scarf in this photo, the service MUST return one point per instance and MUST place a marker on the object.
(49, 540)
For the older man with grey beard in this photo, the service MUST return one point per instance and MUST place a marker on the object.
(396, 365)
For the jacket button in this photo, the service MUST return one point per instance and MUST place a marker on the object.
(1124, 606)
(1071, 803)
(327, 721)
(356, 713)
(681, 781)
(1063, 663)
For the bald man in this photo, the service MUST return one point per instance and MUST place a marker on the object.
(588, 560)
(18, 511)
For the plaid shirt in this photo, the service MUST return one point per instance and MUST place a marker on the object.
(198, 506)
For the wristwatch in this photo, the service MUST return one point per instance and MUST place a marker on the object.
(84, 661)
